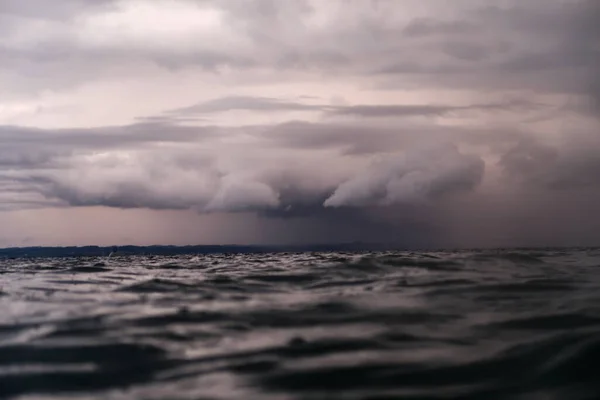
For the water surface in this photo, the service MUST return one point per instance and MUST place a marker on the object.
(399, 325)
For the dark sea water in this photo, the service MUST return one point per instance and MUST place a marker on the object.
(439, 325)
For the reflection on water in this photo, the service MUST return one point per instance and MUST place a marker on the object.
(439, 325)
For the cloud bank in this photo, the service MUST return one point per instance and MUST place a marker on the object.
(416, 176)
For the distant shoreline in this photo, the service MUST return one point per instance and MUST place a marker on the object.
(99, 251)
(167, 250)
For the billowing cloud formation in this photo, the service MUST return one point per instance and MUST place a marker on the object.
(339, 114)
(411, 177)
(142, 180)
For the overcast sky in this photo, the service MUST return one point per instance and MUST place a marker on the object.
(419, 122)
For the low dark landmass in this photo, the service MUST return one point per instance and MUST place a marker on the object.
(164, 250)
(98, 251)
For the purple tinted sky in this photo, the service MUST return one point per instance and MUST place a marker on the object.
(430, 123)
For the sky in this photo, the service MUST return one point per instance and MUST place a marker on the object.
(424, 123)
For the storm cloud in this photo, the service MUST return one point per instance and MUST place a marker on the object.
(300, 116)
(417, 176)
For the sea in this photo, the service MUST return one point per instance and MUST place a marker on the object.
(476, 324)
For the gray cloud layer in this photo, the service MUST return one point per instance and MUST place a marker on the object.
(441, 103)
(479, 43)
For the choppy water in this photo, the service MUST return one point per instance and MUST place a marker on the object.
(486, 325)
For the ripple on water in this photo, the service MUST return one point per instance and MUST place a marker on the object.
(437, 325)
(157, 286)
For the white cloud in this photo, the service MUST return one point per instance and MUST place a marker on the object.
(240, 193)
(166, 26)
